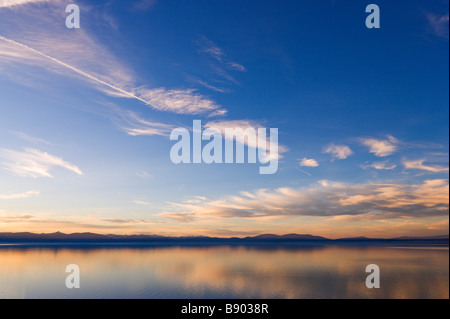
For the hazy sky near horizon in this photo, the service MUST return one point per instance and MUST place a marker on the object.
(362, 115)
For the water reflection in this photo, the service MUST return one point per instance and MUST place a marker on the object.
(225, 272)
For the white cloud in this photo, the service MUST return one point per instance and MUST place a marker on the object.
(245, 124)
(380, 166)
(419, 164)
(308, 162)
(19, 196)
(33, 163)
(381, 148)
(338, 151)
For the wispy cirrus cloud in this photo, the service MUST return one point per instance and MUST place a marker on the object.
(205, 84)
(380, 166)
(439, 24)
(20, 195)
(14, 218)
(14, 3)
(381, 148)
(195, 199)
(48, 223)
(179, 217)
(419, 165)
(327, 199)
(221, 65)
(179, 101)
(143, 175)
(144, 5)
(123, 221)
(141, 202)
(236, 66)
(134, 125)
(45, 44)
(33, 163)
(210, 48)
(31, 139)
(338, 151)
(130, 122)
(176, 101)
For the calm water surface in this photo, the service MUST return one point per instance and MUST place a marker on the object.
(225, 272)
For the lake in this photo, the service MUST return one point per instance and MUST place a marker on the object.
(250, 272)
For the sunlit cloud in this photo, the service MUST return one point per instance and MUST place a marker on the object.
(179, 217)
(440, 225)
(381, 148)
(308, 162)
(9, 218)
(141, 202)
(419, 164)
(195, 200)
(48, 223)
(123, 221)
(179, 101)
(20, 196)
(250, 141)
(380, 166)
(33, 163)
(338, 151)
(134, 125)
(327, 199)
(131, 122)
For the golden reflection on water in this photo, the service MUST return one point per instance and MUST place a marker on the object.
(225, 272)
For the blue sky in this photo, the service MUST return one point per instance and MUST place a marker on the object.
(362, 116)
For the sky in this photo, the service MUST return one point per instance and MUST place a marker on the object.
(362, 115)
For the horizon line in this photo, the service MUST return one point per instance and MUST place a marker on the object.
(260, 236)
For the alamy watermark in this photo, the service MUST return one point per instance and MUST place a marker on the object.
(373, 19)
(73, 19)
(373, 280)
(236, 139)
(73, 280)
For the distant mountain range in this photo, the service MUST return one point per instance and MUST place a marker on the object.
(265, 238)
